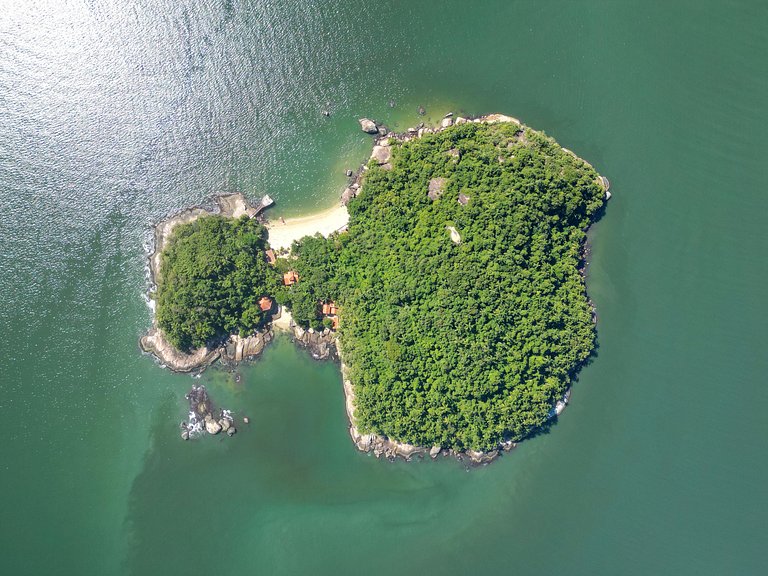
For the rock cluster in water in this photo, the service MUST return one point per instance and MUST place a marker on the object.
(203, 417)
(321, 345)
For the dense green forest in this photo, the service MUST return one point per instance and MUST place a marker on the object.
(464, 314)
(213, 273)
(466, 344)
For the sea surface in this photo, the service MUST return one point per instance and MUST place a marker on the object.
(115, 114)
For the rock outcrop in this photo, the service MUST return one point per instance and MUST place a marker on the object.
(381, 154)
(321, 345)
(154, 342)
(368, 126)
(212, 427)
(238, 349)
(203, 417)
(436, 188)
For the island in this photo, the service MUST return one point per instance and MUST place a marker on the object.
(450, 283)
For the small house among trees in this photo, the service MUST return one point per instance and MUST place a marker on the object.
(290, 278)
(330, 313)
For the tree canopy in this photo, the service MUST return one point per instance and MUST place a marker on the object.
(464, 315)
(461, 344)
(213, 273)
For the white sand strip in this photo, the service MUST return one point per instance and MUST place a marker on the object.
(283, 233)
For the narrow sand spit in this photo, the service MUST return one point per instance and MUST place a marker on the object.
(282, 233)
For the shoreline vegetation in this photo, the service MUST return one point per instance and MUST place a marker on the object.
(281, 236)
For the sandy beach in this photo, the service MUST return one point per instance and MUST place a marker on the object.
(283, 233)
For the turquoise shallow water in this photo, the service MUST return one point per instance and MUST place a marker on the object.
(113, 115)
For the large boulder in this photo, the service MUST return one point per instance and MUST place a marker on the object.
(436, 188)
(381, 154)
(212, 427)
(347, 195)
(369, 126)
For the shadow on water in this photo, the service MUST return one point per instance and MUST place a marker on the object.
(292, 466)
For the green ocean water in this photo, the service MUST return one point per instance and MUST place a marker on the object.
(116, 114)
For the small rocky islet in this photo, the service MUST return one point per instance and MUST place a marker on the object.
(204, 417)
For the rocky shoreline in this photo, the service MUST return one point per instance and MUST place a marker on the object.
(321, 345)
(382, 152)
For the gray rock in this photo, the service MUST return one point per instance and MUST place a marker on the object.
(347, 195)
(225, 424)
(434, 451)
(436, 188)
(348, 173)
(368, 126)
(231, 431)
(446, 122)
(381, 154)
(185, 434)
(382, 131)
(212, 427)
(366, 442)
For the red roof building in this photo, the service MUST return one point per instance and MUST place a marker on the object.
(290, 278)
(265, 303)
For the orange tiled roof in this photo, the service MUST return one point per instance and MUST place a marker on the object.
(265, 303)
(290, 278)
